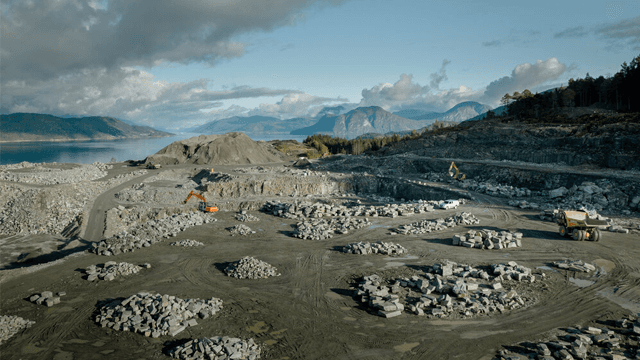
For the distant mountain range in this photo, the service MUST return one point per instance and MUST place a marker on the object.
(362, 120)
(42, 127)
(253, 125)
(458, 113)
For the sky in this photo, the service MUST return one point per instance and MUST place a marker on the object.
(178, 64)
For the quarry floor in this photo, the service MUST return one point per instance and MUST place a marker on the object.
(309, 312)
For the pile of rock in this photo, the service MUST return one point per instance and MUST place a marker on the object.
(498, 190)
(323, 229)
(52, 176)
(148, 233)
(111, 269)
(427, 226)
(448, 289)
(155, 315)
(318, 210)
(60, 208)
(616, 341)
(251, 268)
(599, 195)
(11, 325)
(240, 230)
(373, 291)
(488, 239)
(47, 298)
(187, 242)
(217, 348)
(574, 265)
(379, 247)
(244, 216)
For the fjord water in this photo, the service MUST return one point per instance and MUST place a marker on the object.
(87, 152)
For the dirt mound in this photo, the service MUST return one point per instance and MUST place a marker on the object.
(230, 148)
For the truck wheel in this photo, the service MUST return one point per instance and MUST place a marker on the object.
(583, 235)
(576, 235)
(563, 231)
(596, 235)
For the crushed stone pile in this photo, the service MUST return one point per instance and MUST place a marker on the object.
(42, 175)
(244, 217)
(497, 190)
(379, 247)
(574, 265)
(488, 239)
(47, 298)
(217, 348)
(617, 340)
(111, 269)
(251, 268)
(322, 229)
(11, 325)
(187, 242)
(149, 233)
(317, 210)
(240, 229)
(448, 289)
(60, 208)
(230, 148)
(427, 226)
(155, 315)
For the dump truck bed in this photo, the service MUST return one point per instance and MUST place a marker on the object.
(594, 222)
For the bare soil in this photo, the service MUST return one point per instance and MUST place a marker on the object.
(310, 311)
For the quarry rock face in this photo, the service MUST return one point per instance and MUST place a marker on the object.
(231, 148)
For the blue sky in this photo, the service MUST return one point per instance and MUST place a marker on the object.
(187, 63)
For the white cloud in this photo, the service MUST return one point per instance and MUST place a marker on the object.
(524, 76)
(127, 93)
(295, 105)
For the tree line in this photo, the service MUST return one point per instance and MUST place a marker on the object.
(619, 92)
(328, 145)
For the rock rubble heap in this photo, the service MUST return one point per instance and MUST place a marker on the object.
(52, 176)
(155, 315)
(448, 289)
(498, 190)
(614, 341)
(322, 229)
(11, 325)
(251, 268)
(187, 242)
(59, 208)
(240, 230)
(149, 233)
(318, 210)
(47, 298)
(217, 348)
(427, 226)
(244, 216)
(488, 239)
(379, 247)
(111, 269)
(574, 265)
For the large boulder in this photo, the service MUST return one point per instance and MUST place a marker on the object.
(559, 192)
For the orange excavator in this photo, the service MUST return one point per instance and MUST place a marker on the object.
(203, 205)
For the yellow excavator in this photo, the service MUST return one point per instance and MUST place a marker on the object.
(457, 175)
(203, 205)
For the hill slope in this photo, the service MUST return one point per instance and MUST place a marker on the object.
(363, 120)
(42, 127)
(231, 148)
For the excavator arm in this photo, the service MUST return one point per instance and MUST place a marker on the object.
(457, 175)
(196, 195)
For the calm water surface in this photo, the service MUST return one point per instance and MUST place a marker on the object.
(87, 152)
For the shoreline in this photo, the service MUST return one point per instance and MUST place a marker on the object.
(87, 139)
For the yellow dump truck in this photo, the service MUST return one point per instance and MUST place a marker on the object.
(579, 226)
